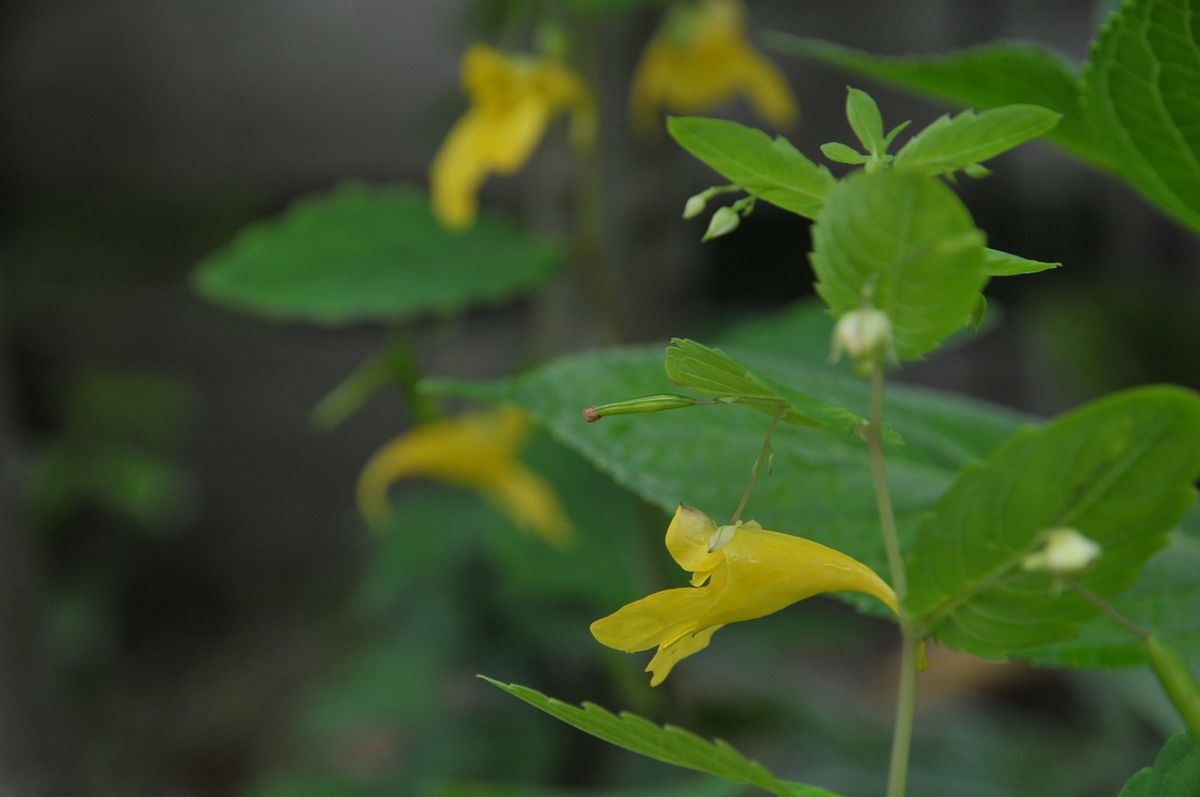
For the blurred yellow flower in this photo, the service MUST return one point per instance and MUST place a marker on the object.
(513, 100)
(750, 573)
(477, 451)
(699, 59)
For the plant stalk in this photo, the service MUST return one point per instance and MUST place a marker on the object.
(763, 454)
(907, 688)
(1168, 663)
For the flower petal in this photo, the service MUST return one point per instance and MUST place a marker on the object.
(688, 539)
(476, 451)
(669, 655)
(768, 570)
(530, 501)
(659, 618)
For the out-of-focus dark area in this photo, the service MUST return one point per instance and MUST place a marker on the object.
(189, 603)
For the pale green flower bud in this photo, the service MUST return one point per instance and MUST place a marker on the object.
(655, 403)
(695, 205)
(723, 222)
(866, 335)
(1065, 552)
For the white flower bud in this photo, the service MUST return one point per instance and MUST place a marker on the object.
(866, 335)
(723, 222)
(1065, 552)
(695, 205)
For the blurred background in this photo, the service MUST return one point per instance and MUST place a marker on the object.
(189, 602)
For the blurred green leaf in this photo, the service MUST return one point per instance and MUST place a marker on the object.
(906, 243)
(1002, 264)
(1120, 470)
(1142, 94)
(1176, 771)
(953, 143)
(371, 253)
(984, 77)
(772, 170)
(132, 483)
(668, 744)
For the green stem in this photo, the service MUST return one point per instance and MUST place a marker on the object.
(1176, 679)
(907, 689)
(1168, 664)
(590, 240)
(763, 454)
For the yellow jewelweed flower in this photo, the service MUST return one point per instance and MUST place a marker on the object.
(477, 451)
(750, 573)
(699, 59)
(513, 100)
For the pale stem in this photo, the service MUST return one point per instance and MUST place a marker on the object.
(763, 454)
(1168, 664)
(591, 248)
(907, 688)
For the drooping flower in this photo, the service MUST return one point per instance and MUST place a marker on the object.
(699, 59)
(750, 573)
(477, 451)
(513, 100)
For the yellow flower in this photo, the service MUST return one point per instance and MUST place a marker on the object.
(513, 100)
(699, 59)
(477, 451)
(750, 573)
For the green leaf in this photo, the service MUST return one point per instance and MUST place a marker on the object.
(821, 484)
(983, 77)
(865, 121)
(1119, 470)
(906, 242)
(774, 171)
(1176, 771)
(712, 371)
(840, 153)
(668, 744)
(370, 253)
(1143, 98)
(1002, 264)
(962, 141)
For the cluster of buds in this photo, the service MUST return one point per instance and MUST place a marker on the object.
(866, 335)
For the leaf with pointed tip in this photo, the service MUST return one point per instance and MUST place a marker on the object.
(773, 171)
(370, 253)
(712, 371)
(1142, 94)
(865, 120)
(668, 744)
(840, 153)
(1176, 771)
(953, 143)
(982, 77)
(907, 244)
(1119, 470)
(1002, 264)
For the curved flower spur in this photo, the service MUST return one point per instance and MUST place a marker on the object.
(739, 572)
